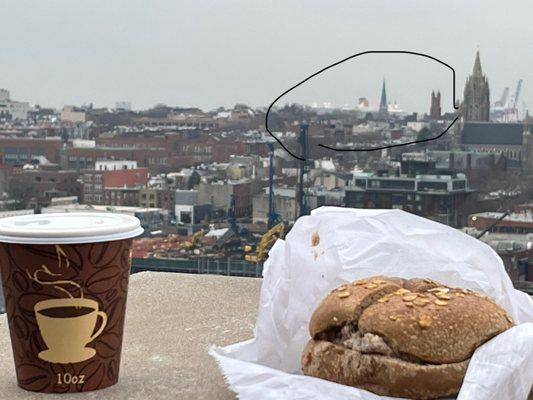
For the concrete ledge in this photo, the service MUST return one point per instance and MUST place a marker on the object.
(171, 321)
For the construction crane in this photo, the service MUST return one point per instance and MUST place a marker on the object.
(503, 99)
(302, 140)
(273, 217)
(232, 215)
(266, 242)
(511, 110)
(516, 94)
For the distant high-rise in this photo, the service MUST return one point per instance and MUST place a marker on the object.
(383, 105)
(435, 110)
(476, 103)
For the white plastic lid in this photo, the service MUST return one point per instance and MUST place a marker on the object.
(64, 228)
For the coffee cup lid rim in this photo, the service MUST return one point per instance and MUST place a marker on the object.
(69, 228)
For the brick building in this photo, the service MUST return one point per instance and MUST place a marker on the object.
(159, 198)
(517, 222)
(154, 159)
(21, 150)
(119, 187)
(41, 183)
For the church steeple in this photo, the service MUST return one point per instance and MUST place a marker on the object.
(477, 66)
(383, 105)
(476, 105)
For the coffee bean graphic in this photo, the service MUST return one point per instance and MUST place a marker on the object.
(108, 344)
(97, 255)
(21, 328)
(20, 281)
(104, 279)
(32, 377)
(93, 375)
(112, 369)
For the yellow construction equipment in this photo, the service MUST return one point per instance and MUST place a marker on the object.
(194, 240)
(266, 242)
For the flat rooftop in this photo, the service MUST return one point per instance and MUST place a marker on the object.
(56, 208)
(517, 217)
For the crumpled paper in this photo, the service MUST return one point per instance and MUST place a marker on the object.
(353, 244)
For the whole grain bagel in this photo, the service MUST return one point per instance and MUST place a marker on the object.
(396, 337)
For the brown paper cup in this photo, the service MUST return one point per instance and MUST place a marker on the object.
(65, 307)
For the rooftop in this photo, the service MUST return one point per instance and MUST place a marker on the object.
(517, 217)
(489, 133)
(96, 208)
(171, 321)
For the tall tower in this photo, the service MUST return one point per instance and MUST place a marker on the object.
(435, 110)
(476, 103)
(383, 106)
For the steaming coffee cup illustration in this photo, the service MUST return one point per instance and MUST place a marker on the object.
(67, 326)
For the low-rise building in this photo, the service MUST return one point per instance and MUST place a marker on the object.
(36, 184)
(285, 203)
(516, 222)
(438, 197)
(73, 115)
(12, 110)
(219, 195)
(508, 139)
(22, 150)
(117, 183)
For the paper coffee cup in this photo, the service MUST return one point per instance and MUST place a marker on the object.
(65, 280)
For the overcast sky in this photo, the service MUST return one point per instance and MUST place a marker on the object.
(212, 53)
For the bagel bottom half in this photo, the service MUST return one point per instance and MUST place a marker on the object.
(383, 375)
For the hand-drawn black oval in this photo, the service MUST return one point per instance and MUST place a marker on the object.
(349, 58)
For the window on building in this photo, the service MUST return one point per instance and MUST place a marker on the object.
(185, 217)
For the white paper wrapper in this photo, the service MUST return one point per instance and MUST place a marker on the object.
(359, 243)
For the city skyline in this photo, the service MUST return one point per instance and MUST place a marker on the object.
(195, 59)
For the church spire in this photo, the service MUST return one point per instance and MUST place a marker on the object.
(383, 106)
(477, 66)
(476, 104)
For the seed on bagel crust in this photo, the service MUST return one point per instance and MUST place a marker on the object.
(409, 297)
(425, 321)
(421, 302)
(344, 294)
(402, 291)
(371, 286)
(441, 302)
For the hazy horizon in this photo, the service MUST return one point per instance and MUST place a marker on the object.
(219, 53)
